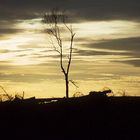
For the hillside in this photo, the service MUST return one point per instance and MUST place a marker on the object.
(87, 117)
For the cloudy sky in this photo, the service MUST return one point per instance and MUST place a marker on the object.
(106, 47)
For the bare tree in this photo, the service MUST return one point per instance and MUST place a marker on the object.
(55, 20)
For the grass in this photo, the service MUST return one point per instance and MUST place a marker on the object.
(86, 117)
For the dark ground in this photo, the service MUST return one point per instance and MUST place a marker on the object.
(88, 118)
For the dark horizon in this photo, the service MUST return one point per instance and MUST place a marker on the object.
(106, 47)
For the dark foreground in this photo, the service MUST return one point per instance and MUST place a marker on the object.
(88, 117)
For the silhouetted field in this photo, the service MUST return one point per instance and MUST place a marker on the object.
(87, 117)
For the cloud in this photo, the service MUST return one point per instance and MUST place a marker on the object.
(125, 47)
(93, 53)
(28, 78)
(21, 55)
(130, 45)
(135, 63)
(28, 74)
(4, 62)
(5, 24)
(30, 46)
(14, 51)
(84, 10)
(8, 27)
(46, 56)
(9, 31)
(4, 51)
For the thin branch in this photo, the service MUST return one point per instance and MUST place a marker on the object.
(74, 83)
(70, 56)
(55, 49)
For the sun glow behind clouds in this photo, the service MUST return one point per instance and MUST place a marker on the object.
(31, 46)
(32, 24)
(33, 35)
(107, 29)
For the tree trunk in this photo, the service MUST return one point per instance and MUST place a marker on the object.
(67, 85)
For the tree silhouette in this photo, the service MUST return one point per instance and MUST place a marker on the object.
(55, 20)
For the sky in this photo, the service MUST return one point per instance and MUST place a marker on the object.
(106, 47)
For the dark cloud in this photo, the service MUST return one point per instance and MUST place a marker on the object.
(84, 10)
(132, 45)
(31, 46)
(123, 46)
(21, 50)
(40, 56)
(9, 51)
(9, 31)
(93, 53)
(135, 63)
(4, 51)
(4, 24)
(46, 56)
(2, 64)
(27, 78)
(8, 27)
(22, 55)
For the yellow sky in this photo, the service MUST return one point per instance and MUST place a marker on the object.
(28, 65)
